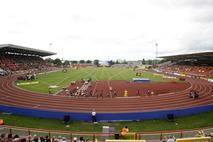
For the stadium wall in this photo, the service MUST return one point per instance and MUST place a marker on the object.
(106, 116)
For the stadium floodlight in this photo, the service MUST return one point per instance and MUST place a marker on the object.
(156, 54)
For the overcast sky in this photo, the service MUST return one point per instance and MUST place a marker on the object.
(110, 29)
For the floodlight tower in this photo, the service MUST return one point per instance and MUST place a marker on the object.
(50, 46)
(156, 54)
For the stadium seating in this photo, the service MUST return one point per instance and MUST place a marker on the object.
(20, 62)
(190, 70)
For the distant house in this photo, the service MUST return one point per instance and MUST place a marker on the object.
(134, 63)
(83, 65)
(104, 63)
(120, 65)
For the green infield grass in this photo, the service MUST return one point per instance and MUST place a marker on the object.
(186, 122)
(63, 79)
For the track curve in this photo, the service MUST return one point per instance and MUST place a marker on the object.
(12, 96)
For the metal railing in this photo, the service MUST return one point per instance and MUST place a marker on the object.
(99, 136)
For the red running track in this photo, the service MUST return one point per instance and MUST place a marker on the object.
(12, 96)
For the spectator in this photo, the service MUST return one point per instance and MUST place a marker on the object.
(200, 134)
(171, 139)
(74, 139)
(47, 139)
(164, 139)
(3, 137)
(23, 140)
(42, 139)
(81, 139)
(9, 138)
(35, 138)
(124, 131)
(16, 138)
(63, 139)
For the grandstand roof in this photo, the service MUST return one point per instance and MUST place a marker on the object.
(201, 55)
(10, 48)
(202, 58)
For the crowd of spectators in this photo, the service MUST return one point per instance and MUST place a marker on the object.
(28, 66)
(48, 138)
(35, 138)
(190, 70)
(11, 138)
(19, 62)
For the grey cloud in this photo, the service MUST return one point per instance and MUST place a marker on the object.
(198, 43)
(137, 38)
(195, 3)
(82, 19)
(197, 46)
(18, 32)
(117, 42)
(75, 37)
(183, 4)
(206, 16)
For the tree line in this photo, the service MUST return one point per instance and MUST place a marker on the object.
(58, 61)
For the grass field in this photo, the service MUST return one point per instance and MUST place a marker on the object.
(186, 122)
(63, 79)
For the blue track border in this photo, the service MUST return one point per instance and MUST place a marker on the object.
(161, 114)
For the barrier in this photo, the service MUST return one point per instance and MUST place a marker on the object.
(99, 136)
(129, 136)
(162, 114)
(179, 134)
(190, 76)
(27, 83)
(195, 139)
(141, 80)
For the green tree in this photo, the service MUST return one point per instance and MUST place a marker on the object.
(49, 60)
(111, 62)
(96, 62)
(162, 61)
(143, 61)
(150, 62)
(88, 61)
(74, 62)
(124, 62)
(81, 61)
(66, 62)
(57, 61)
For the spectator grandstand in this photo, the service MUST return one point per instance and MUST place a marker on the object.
(15, 58)
(197, 64)
(206, 71)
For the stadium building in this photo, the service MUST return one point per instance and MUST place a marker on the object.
(14, 57)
